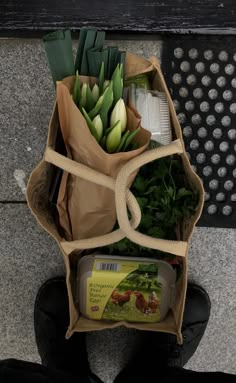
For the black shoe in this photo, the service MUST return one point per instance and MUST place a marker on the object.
(160, 350)
(51, 319)
(195, 320)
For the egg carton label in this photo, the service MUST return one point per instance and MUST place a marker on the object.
(124, 290)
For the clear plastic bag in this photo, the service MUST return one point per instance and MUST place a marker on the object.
(153, 108)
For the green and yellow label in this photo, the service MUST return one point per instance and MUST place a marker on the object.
(123, 290)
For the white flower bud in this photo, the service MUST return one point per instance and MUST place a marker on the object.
(119, 114)
(113, 138)
(95, 92)
(98, 126)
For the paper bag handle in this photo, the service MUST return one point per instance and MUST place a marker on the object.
(174, 247)
(98, 178)
(123, 197)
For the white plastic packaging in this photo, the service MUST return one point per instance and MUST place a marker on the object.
(154, 110)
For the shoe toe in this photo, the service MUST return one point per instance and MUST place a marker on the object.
(198, 305)
(54, 290)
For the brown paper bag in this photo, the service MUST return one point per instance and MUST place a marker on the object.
(88, 210)
(38, 200)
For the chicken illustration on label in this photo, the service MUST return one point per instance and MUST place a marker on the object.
(146, 307)
(137, 297)
(120, 299)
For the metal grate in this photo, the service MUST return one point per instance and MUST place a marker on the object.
(201, 75)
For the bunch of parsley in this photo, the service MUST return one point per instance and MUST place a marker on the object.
(165, 199)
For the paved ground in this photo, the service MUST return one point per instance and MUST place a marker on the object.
(28, 256)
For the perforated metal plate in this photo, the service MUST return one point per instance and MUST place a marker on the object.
(201, 75)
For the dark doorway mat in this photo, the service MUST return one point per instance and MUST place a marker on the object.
(200, 72)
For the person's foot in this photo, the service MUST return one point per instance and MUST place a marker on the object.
(51, 319)
(158, 350)
(196, 316)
